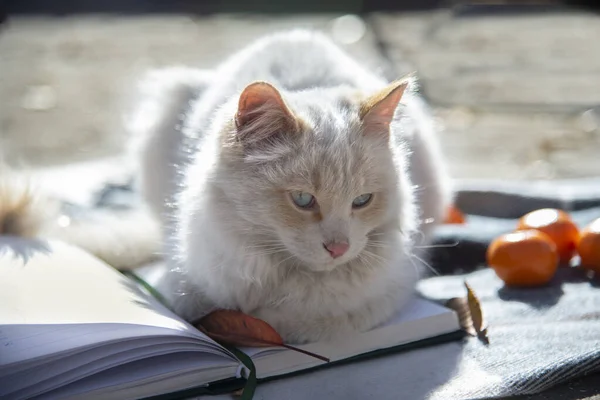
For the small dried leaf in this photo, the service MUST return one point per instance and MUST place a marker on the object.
(238, 393)
(238, 329)
(476, 314)
(461, 307)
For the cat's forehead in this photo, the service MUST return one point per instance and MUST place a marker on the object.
(327, 110)
(328, 115)
(336, 164)
(332, 155)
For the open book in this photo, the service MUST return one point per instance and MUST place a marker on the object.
(73, 327)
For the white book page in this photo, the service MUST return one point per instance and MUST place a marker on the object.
(203, 363)
(55, 372)
(50, 291)
(420, 319)
(131, 381)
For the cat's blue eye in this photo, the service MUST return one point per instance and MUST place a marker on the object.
(362, 200)
(303, 199)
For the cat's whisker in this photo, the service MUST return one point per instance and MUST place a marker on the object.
(415, 267)
(437, 246)
(373, 263)
(380, 244)
(262, 244)
(377, 234)
(363, 259)
(425, 263)
(263, 253)
(284, 260)
(266, 247)
(375, 257)
(266, 244)
(266, 253)
(263, 250)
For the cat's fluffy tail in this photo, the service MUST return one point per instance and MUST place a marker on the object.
(124, 240)
(23, 211)
(156, 128)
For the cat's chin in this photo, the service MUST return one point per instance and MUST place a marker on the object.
(317, 264)
(327, 266)
(322, 267)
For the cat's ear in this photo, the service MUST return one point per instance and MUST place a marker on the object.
(377, 111)
(262, 113)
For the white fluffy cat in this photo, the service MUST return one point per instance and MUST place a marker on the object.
(293, 185)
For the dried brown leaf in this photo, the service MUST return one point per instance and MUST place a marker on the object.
(476, 314)
(461, 307)
(238, 329)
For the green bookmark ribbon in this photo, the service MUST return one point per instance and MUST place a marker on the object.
(251, 381)
(148, 287)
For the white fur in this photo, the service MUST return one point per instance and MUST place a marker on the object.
(156, 127)
(220, 220)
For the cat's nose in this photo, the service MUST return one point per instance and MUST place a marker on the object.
(336, 249)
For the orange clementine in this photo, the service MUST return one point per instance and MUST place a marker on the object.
(558, 225)
(588, 246)
(454, 216)
(523, 258)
